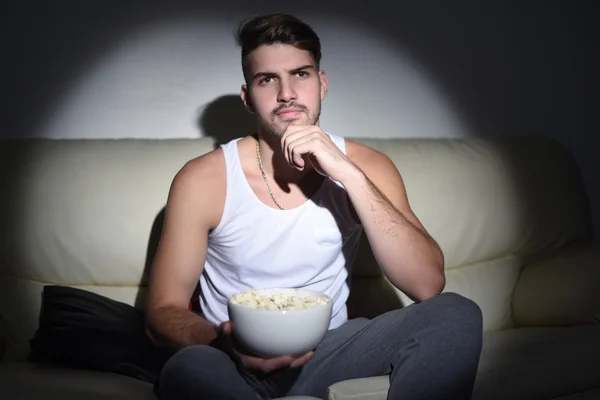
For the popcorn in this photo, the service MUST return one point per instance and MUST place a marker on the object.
(277, 301)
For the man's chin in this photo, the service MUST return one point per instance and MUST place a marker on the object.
(295, 121)
(279, 128)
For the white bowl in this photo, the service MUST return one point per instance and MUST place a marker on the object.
(272, 333)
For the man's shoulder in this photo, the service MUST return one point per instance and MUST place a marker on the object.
(202, 174)
(208, 167)
(200, 187)
(366, 157)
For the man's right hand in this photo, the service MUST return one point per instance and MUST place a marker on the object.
(265, 365)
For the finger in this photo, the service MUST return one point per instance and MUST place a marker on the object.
(289, 156)
(295, 158)
(306, 146)
(288, 138)
(296, 129)
(226, 327)
(294, 155)
(273, 364)
(298, 362)
(290, 135)
(266, 365)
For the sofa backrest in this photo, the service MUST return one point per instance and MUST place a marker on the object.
(83, 213)
(87, 213)
(492, 204)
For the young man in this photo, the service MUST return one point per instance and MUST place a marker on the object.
(285, 208)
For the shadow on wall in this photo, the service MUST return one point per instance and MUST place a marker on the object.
(225, 119)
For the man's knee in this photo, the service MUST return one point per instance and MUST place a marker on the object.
(193, 364)
(456, 312)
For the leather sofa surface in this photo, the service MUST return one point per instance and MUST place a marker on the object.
(510, 213)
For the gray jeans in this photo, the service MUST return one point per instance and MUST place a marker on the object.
(430, 350)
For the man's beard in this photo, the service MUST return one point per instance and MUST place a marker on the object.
(278, 129)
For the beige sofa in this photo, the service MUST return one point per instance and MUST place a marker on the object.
(510, 214)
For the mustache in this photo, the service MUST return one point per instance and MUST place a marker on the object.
(298, 107)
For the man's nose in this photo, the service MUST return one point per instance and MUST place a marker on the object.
(286, 93)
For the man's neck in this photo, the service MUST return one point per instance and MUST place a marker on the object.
(275, 164)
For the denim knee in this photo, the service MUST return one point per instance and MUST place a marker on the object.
(193, 364)
(458, 311)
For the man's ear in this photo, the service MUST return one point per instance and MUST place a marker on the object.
(324, 84)
(245, 95)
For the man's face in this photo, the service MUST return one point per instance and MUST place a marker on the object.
(284, 88)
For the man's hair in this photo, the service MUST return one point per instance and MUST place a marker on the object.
(276, 28)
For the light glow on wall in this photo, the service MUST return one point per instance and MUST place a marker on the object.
(155, 81)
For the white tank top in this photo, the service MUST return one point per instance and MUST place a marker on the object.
(256, 246)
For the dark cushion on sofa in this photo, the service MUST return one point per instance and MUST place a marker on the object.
(82, 329)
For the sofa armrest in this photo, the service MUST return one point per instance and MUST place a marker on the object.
(563, 289)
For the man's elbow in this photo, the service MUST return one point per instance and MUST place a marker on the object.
(151, 335)
(149, 327)
(434, 286)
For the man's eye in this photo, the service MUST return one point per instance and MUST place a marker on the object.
(302, 74)
(265, 80)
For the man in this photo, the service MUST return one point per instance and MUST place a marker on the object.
(285, 208)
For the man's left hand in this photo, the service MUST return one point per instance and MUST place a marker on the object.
(309, 142)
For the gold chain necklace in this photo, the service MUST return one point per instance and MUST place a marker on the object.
(265, 176)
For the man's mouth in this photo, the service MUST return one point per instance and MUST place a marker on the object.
(289, 112)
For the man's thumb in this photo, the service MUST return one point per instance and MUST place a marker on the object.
(226, 327)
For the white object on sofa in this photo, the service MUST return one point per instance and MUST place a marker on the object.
(510, 214)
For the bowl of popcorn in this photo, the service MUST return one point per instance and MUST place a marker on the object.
(279, 322)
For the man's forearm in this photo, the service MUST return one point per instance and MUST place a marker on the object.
(409, 257)
(177, 327)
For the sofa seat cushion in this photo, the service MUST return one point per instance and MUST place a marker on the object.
(539, 363)
(23, 380)
(375, 388)
(26, 381)
(524, 363)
